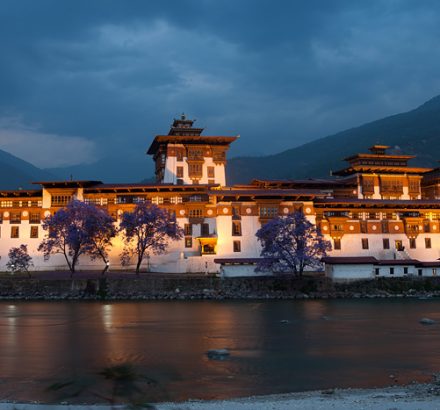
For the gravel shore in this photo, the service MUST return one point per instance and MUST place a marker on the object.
(412, 397)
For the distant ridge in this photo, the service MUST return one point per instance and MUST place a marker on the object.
(16, 173)
(415, 132)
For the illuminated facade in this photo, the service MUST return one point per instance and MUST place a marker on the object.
(378, 206)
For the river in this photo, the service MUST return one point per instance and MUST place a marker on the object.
(275, 347)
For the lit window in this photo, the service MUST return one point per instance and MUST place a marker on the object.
(237, 246)
(15, 232)
(34, 231)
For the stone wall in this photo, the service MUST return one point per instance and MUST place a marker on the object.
(152, 288)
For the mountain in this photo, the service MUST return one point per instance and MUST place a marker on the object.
(16, 173)
(126, 168)
(416, 132)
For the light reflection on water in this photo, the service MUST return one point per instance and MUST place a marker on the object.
(276, 346)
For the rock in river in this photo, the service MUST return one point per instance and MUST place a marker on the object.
(218, 354)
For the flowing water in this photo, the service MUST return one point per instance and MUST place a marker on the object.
(275, 347)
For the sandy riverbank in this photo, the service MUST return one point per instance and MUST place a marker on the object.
(412, 397)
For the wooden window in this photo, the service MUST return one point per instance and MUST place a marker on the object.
(188, 229)
(364, 227)
(15, 218)
(60, 200)
(211, 172)
(426, 227)
(237, 246)
(338, 227)
(6, 204)
(405, 270)
(376, 271)
(391, 271)
(268, 212)
(188, 242)
(412, 243)
(179, 155)
(34, 218)
(179, 172)
(195, 213)
(386, 243)
(15, 232)
(428, 243)
(385, 227)
(337, 244)
(195, 170)
(420, 272)
(34, 231)
(205, 229)
(365, 243)
(236, 228)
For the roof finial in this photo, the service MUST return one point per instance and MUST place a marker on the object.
(183, 116)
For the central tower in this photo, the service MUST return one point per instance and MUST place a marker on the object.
(185, 157)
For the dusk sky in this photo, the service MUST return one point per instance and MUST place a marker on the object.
(80, 80)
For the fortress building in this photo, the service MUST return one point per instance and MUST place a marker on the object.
(381, 215)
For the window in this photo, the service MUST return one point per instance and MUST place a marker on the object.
(195, 170)
(157, 200)
(365, 243)
(386, 243)
(236, 228)
(188, 242)
(337, 244)
(188, 229)
(179, 155)
(176, 199)
(376, 271)
(179, 172)
(434, 271)
(405, 270)
(60, 200)
(420, 272)
(195, 198)
(179, 181)
(205, 229)
(15, 232)
(385, 228)
(34, 218)
(391, 271)
(211, 172)
(34, 231)
(1, 217)
(412, 243)
(428, 243)
(426, 227)
(6, 204)
(268, 212)
(237, 246)
(338, 227)
(195, 213)
(15, 218)
(364, 228)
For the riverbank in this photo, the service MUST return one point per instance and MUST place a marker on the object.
(414, 396)
(147, 286)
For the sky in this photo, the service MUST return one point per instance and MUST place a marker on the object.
(89, 79)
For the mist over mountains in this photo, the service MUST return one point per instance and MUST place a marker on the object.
(415, 132)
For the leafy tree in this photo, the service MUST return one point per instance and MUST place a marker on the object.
(290, 244)
(147, 228)
(75, 230)
(19, 260)
(100, 230)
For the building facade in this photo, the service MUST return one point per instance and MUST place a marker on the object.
(378, 207)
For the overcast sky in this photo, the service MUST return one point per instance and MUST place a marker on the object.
(86, 79)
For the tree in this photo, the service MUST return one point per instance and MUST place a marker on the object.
(290, 244)
(147, 228)
(75, 230)
(19, 260)
(100, 230)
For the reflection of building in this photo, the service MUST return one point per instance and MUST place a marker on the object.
(378, 206)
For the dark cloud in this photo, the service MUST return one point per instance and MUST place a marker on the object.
(279, 73)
